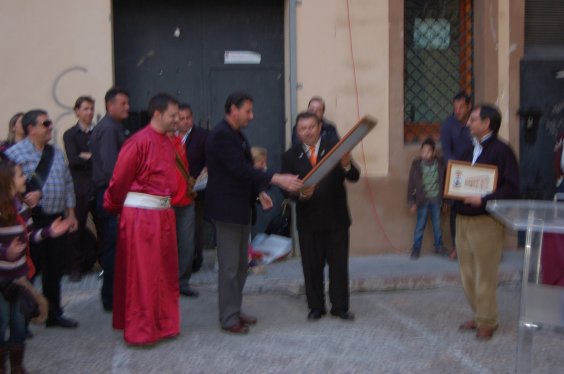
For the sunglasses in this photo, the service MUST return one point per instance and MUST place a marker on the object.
(47, 123)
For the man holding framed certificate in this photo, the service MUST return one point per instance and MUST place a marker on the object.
(479, 239)
(323, 218)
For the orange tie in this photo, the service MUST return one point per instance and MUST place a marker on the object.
(312, 156)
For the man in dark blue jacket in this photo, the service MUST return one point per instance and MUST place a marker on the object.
(455, 141)
(233, 188)
(480, 237)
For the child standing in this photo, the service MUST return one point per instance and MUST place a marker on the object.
(15, 233)
(424, 196)
(260, 156)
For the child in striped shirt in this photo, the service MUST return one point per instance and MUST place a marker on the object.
(16, 230)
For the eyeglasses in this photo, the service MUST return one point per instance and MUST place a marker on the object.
(47, 123)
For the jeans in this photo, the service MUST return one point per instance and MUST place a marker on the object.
(10, 316)
(434, 209)
(109, 225)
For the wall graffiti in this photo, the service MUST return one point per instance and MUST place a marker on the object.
(66, 109)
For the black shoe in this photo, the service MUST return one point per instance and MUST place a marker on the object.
(414, 255)
(107, 307)
(190, 292)
(442, 251)
(62, 322)
(28, 333)
(197, 264)
(347, 316)
(315, 314)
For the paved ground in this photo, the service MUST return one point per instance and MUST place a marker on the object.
(407, 318)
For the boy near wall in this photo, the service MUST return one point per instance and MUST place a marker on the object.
(425, 194)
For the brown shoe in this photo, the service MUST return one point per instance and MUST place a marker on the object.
(238, 328)
(246, 319)
(453, 256)
(468, 326)
(485, 332)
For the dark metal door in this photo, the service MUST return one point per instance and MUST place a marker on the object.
(542, 90)
(180, 47)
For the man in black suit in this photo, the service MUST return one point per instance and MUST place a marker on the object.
(194, 138)
(233, 188)
(77, 146)
(323, 219)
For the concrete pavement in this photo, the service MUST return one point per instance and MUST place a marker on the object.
(407, 318)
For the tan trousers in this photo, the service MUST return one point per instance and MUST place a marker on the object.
(479, 242)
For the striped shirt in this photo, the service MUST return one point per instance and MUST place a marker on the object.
(10, 269)
(58, 190)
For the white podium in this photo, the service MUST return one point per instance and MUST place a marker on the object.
(542, 306)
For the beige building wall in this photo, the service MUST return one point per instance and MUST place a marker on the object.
(381, 222)
(52, 52)
(325, 68)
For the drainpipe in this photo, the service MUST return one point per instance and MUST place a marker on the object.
(293, 107)
(293, 63)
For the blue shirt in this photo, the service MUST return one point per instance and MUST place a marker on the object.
(455, 139)
(58, 190)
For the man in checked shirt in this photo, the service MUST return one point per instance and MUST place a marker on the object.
(50, 197)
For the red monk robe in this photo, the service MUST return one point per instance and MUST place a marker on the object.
(146, 290)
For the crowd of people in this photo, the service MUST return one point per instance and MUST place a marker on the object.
(139, 191)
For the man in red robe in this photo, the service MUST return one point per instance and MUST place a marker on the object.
(146, 272)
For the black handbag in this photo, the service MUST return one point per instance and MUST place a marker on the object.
(33, 305)
(13, 291)
(281, 224)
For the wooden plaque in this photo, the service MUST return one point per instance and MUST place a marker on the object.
(347, 143)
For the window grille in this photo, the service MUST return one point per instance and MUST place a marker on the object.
(438, 62)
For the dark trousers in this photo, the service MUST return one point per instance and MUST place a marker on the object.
(49, 257)
(185, 241)
(318, 249)
(79, 248)
(109, 226)
(199, 204)
(232, 258)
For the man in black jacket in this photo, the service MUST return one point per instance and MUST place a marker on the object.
(479, 239)
(323, 219)
(232, 190)
(105, 143)
(77, 147)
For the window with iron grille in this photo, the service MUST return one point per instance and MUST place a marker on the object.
(438, 55)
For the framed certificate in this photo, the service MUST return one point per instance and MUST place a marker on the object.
(464, 179)
(347, 142)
